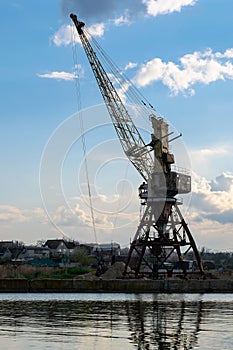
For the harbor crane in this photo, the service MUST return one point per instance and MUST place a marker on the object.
(162, 231)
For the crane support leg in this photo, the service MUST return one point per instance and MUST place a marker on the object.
(151, 250)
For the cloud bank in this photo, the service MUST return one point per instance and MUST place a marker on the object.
(210, 216)
(213, 200)
(103, 10)
(126, 10)
(198, 67)
(11, 213)
(193, 68)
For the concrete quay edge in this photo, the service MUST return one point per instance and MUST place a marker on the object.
(115, 286)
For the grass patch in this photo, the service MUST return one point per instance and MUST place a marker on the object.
(63, 273)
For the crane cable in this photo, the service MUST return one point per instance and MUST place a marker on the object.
(118, 205)
(131, 91)
(79, 109)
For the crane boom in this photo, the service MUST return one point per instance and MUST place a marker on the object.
(129, 136)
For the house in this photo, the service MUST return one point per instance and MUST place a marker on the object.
(108, 248)
(10, 250)
(88, 247)
(32, 252)
(8, 244)
(60, 247)
(5, 254)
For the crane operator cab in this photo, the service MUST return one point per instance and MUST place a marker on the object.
(165, 181)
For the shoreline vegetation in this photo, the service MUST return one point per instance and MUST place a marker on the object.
(50, 273)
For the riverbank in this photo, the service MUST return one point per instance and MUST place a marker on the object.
(115, 286)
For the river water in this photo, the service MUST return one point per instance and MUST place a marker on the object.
(116, 321)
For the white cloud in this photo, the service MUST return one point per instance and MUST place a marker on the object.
(204, 155)
(66, 34)
(10, 213)
(210, 216)
(131, 65)
(205, 68)
(111, 211)
(210, 161)
(212, 234)
(65, 216)
(58, 76)
(121, 20)
(222, 182)
(229, 53)
(158, 7)
(126, 12)
(213, 199)
(97, 29)
(68, 219)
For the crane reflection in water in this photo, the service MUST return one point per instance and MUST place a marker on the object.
(164, 325)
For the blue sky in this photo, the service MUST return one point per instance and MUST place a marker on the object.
(178, 53)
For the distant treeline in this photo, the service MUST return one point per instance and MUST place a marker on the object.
(220, 259)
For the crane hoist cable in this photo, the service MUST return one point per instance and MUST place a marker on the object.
(122, 191)
(130, 90)
(79, 110)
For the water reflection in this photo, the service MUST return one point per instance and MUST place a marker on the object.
(142, 323)
(164, 325)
